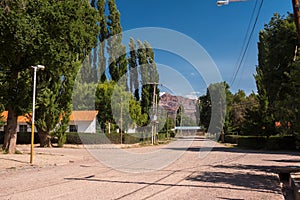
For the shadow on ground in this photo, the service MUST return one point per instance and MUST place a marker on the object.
(255, 182)
(236, 150)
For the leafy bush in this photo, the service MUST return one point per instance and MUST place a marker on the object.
(62, 140)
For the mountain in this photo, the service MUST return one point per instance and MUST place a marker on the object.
(171, 104)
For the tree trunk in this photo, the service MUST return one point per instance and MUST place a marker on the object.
(44, 138)
(10, 139)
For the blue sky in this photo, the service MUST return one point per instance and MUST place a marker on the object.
(220, 31)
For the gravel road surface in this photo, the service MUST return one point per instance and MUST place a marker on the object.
(218, 172)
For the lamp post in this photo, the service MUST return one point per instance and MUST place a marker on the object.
(226, 2)
(35, 68)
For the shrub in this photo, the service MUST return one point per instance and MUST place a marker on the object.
(62, 140)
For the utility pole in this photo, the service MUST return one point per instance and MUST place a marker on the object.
(297, 18)
(154, 109)
(121, 119)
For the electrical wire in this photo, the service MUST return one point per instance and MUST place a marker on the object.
(248, 42)
(245, 39)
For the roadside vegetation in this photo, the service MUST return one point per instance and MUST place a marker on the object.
(86, 61)
(268, 119)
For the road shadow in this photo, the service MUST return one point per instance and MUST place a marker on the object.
(263, 168)
(257, 182)
(285, 160)
(213, 177)
(235, 150)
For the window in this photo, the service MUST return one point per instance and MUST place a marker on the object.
(23, 128)
(73, 128)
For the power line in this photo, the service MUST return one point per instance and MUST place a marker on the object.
(247, 44)
(245, 38)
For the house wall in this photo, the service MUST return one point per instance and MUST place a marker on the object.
(85, 126)
(18, 127)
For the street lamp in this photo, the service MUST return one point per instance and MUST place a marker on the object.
(221, 3)
(35, 68)
(226, 2)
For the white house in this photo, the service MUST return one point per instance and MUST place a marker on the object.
(82, 121)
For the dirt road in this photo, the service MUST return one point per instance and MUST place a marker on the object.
(221, 173)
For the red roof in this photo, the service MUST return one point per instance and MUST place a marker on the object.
(83, 115)
(21, 119)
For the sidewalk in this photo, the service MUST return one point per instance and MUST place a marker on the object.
(43, 157)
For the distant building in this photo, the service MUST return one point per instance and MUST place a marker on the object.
(83, 121)
(188, 129)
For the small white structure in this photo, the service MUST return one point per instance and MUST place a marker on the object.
(83, 121)
(188, 129)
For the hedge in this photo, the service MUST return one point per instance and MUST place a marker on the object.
(100, 138)
(262, 142)
(252, 142)
(232, 139)
(281, 143)
(89, 138)
(22, 138)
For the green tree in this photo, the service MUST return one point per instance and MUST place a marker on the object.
(252, 124)
(133, 68)
(168, 126)
(238, 111)
(276, 50)
(116, 50)
(135, 110)
(110, 99)
(52, 33)
(103, 103)
(213, 108)
(142, 58)
(149, 75)
(102, 37)
(179, 115)
(152, 71)
(204, 110)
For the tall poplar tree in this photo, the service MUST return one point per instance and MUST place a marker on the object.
(103, 35)
(152, 70)
(133, 69)
(145, 79)
(116, 50)
(149, 75)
